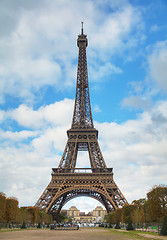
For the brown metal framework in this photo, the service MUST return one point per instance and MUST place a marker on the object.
(68, 181)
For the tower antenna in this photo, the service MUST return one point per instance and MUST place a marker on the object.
(82, 28)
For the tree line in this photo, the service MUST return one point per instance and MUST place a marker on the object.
(143, 212)
(140, 213)
(12, 215)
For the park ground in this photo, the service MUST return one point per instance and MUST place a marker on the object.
(81, 234)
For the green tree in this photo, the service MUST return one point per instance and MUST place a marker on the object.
(2, 207)
(23, 215)
(164, 226)
(109, 218)
(139, 214)
(33, 211)
(127, 212)
(157, 203)
(11, 210)
(44, 218)
(62, 218)
(117, 217)
(41, 217)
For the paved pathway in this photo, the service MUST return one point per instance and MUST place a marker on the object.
(81, 234)
(46, 234)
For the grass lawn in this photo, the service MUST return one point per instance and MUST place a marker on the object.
(138, 234)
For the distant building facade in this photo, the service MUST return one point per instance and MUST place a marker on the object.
(97, 215)
(99, 212)
(73, 212)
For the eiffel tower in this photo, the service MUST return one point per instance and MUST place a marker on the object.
(67, 181)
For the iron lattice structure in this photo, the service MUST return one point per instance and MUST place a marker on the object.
(68, 181)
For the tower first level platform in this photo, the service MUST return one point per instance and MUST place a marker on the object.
(67, 184)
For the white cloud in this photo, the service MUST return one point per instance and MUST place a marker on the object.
(143, 93)
(137, 102)
(158, 64)
(38, 43)
(137, 87)
(59, 113)
(99, 72)
(136, 149)
(113, 32)
(52, 139)
(17, 136)
(154, 28)
(96, 108)
(2, 115)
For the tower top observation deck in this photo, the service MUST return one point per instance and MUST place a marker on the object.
(82, 40)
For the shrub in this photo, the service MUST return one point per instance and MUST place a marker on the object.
(23, 226)
(164, 227)
(117, 226)
(39, 225)
(129, 226)
(110, 225)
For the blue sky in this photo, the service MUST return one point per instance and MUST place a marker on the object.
(127, 67)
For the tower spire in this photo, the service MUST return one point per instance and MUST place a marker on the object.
(82, 116)
(81, 28)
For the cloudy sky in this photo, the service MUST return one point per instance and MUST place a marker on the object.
(127, 66)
